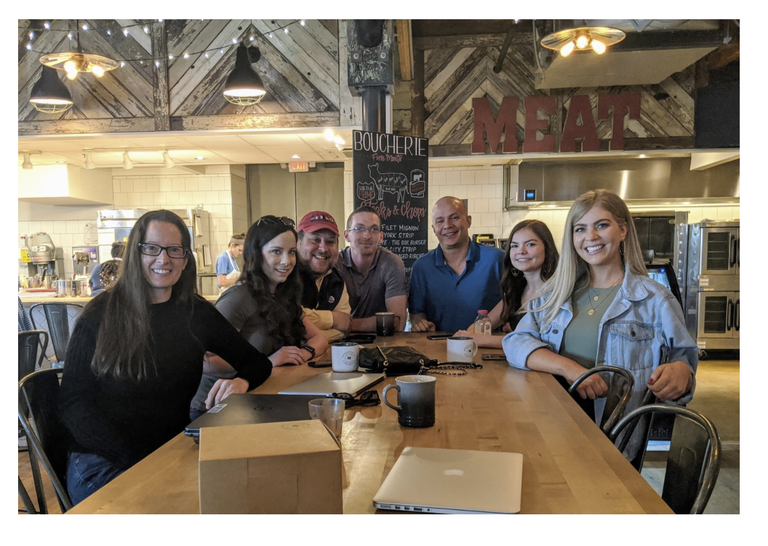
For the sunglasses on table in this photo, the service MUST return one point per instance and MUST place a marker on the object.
(270, 220)
(366, 399)
(150, 249)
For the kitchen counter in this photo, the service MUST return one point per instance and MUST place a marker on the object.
(30, 298)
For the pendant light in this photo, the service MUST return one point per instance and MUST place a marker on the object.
(127, 163)
(49, 94)
(583, 39)
(167, 161)
(244, 86)
(74, 62)
(89, 164)
(27, 163)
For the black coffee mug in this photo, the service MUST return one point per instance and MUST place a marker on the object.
(415, 400)
(385, 324)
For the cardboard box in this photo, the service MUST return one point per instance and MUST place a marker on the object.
(292, 467)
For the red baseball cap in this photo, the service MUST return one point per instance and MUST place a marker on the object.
(317, 220)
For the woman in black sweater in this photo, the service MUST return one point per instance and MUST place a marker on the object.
(136, 357)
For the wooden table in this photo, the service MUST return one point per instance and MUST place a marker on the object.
(569, 466)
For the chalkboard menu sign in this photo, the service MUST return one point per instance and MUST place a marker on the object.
(390, 175)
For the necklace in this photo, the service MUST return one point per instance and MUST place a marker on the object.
(596, 297)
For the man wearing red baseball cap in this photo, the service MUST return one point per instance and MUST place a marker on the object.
(325, 298)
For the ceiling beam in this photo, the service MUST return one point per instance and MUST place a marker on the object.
(723, 56)
(405, 48)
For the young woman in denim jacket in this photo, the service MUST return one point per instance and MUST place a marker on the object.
(642, 328)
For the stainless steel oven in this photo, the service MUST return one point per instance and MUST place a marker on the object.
(711, 283)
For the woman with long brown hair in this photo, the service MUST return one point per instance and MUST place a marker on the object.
(135, 358)
(531, 259)
(601, 308)
(265, 305)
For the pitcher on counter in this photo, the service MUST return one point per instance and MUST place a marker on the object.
(600, 308)
(135, 358)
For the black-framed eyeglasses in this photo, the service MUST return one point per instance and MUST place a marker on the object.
(367, 399)
(362, 229)
(150, 249)
(270, 220)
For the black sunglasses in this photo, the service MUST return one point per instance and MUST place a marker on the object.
(270, 220)
(367, 399)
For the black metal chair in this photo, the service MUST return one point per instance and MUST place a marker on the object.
(619, 392)
(32, 345)
(46, 435)
(59, 320)
(693, 462)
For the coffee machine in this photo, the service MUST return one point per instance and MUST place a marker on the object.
(84, 259)
(45, 261)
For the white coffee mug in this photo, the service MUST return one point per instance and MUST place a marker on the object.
(344, 356)
(461, 349)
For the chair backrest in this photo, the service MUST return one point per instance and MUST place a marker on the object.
(32, 345)
(59, 319)
(620, 388)
(693, 462)
(46, 435)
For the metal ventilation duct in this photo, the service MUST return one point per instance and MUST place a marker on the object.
(642, 181)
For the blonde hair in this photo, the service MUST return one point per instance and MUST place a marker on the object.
(573, 272)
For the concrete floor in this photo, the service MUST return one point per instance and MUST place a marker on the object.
(717, 397)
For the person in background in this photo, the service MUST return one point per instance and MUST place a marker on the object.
(325, 298)
(135, 357)
(106, 272)
(265, 306)
(531, 260)
(227, 270)
(601, 308)
(375, 276)
(451, 283)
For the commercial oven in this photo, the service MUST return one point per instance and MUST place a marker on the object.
(711, 256)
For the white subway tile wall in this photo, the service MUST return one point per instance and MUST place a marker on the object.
(213, 192)
(483, 188)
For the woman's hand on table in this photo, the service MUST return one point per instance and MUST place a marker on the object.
(223, 388)
(287, 356)
(671, 381)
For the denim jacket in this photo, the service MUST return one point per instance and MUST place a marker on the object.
(642, 328)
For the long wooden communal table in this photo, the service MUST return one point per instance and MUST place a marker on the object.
(569, 466)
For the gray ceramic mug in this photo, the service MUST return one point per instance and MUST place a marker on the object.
(415, 400)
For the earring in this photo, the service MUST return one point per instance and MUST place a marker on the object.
(515, 272)
(621, 248)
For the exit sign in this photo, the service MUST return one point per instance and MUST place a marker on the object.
(298, 167)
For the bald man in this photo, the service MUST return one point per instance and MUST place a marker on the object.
(451, 283)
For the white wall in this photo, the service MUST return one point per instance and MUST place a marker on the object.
(219, 191)
(483, 187)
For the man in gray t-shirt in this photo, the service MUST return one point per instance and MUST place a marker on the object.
(375, 277)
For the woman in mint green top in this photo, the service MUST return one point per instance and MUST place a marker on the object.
(601, 308)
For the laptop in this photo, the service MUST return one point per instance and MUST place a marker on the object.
(246, 409)
(327, 383)
(453, 481)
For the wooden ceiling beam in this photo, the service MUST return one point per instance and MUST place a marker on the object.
(405, 48)
(723, 56)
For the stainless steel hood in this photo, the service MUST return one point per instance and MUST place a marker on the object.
(649, 181)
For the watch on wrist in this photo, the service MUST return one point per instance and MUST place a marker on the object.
(310, 349)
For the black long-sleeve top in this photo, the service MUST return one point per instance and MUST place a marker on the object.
(125, 420)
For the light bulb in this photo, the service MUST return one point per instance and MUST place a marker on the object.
(598, 47)
(167, 161)
(27, 163)
(97, 71)
(582, 41)
(127, 163)
(329, 134)
(567, 49)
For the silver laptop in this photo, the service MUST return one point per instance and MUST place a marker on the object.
(327, 383)
(453, 481)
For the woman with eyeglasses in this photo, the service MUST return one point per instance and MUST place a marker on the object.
(135, 357)
(265, 305)
(530, 260)
(601, 308)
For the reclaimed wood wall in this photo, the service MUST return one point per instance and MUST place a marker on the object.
(458, 69)
(174, 72)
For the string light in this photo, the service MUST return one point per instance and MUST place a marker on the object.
(146, 28)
